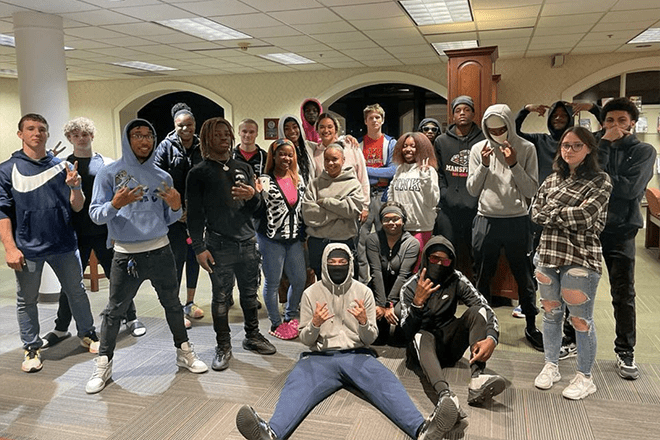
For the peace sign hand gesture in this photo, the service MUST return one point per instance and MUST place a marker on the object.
(170, 195)
(73, 179)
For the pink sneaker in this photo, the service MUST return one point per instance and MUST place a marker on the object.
(284, 331)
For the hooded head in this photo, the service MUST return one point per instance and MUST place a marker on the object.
(138, 142)
(497, 124)
(337, 267)
(560, 118)
(312, 105)
(427, 127)
(438, 271)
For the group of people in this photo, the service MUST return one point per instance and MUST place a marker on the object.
(383, 223)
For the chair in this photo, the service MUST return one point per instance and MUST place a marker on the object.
(94, 274)
(652, 238)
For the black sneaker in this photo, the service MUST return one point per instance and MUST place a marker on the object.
(626, 367)
(253, 427)
(484, 387)
(259, 344)
(567, 351)
(443, 419)
(535, 338)
(221, 359)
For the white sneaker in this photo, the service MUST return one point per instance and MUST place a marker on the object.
(186, 358)
(580, 387)
(548, 376)
(517, 312)
(102, 373)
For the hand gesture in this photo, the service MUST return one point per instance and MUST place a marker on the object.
(509, 153)
(205, 259)
(537, 108)
(72, 177)
(614, 133)
(126, 196)
(242, 191)
(425, 289)
(352, 142)
(482, 350)
(580, 107)
(321, 314)
(359, 311)
(55, 151)
(380, 311)
(15, 259)
(486, 152)
(424, 167)
(390, 316)
(170, 195)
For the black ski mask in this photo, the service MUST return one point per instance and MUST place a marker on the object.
(338, 273)
(436, 272)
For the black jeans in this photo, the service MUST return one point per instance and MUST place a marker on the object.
(86, 244)
(489, 236)
(619, 254)
(178, 236)
(242, 261)
(156, 266)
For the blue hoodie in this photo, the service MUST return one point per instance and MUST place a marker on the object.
(34, 195)
(144, 220)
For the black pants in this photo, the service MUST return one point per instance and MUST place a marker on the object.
(443, 347)
(619, 254)
(183, 254)
(86, 244)
(489, 236)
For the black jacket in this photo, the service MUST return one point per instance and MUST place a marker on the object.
(177, 160)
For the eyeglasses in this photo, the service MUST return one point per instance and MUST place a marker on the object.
(392, 219)
(430, 128)
(139, 137)
(433, 259)
(576, 146)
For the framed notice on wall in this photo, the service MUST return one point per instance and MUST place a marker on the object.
(270, 128)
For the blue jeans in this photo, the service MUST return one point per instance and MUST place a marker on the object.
(156, 266)
(573, 287)
(290, 258)
(318, 375)
(240, 260)
(69, 272)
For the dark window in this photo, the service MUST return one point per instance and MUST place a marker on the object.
(609, 88)
(644, 84)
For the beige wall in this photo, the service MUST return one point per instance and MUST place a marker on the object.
(259, 96)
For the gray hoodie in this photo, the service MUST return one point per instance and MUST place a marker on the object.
(342, 331)
(502, 191)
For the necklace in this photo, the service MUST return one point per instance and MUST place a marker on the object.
(224, 164)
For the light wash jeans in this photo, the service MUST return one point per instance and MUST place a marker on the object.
(573, 287)
(290, 258)
(68, 269)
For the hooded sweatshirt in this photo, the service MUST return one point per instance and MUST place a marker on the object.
(353, 158)
(418, 192)
(337, 215)
(453, 154)
(629, 163)
(426, 121)
(35, 197)
(306, 168)
(503, 191)
(440, 308)
(342, 331)
(139, 225)
(310, 132)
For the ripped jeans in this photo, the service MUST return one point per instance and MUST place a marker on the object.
(573, 287)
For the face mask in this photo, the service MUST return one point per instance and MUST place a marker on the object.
(500, 139)
(438, 273)
(338, 273)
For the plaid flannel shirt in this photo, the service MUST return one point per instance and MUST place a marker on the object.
(572, 212)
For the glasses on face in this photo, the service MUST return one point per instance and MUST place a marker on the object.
(434, 259)
(430, 128)
(392, 219)
(576, 146)
(139, 137)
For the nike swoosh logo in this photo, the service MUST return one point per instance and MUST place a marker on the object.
(26, 184)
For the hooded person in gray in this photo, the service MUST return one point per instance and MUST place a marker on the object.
(503, 174)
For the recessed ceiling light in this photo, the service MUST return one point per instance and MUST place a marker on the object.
(651, 35)
(204, 28)
(449, 45)
(143, 66)
(6, 40)
(287, 58)
(426, 12)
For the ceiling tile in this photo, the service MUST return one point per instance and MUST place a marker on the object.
(370, 11)
(139, 29)
(506, 24)
(87, 44)
(344, 65)
(127, 41)
(413, 51)
(93, 32)
(276, 31)
(507, 14)
(642, 4)
(100, 17)
(279, 5)
(609, 27)
(53, 7)
(172, 38)
(325, 28)
(611, 36)
(451, 37)
(300, 40)
(217, 7)
(382, 23)
(570, 20)
(632, 16)
(155, 12)
(362, 44)
(499, 4)
(387, 34)
(246, 21)
(575, 29)
(506, 33)
(382, 62)
(307, 16)
(576, 7)
(342, 37)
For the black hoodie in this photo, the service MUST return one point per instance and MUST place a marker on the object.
(440, 308)
(453, 155)
(546, 144)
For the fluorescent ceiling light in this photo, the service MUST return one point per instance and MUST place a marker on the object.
(441, 47)
(287, 58)
(425, 12)
(651, 35)
(6, 40)
(143, 66)
(204, 28)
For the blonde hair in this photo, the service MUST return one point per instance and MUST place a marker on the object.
(80, 124)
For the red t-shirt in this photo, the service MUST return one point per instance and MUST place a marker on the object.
(373, 151)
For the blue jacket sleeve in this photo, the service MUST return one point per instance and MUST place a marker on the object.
(101, 210)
